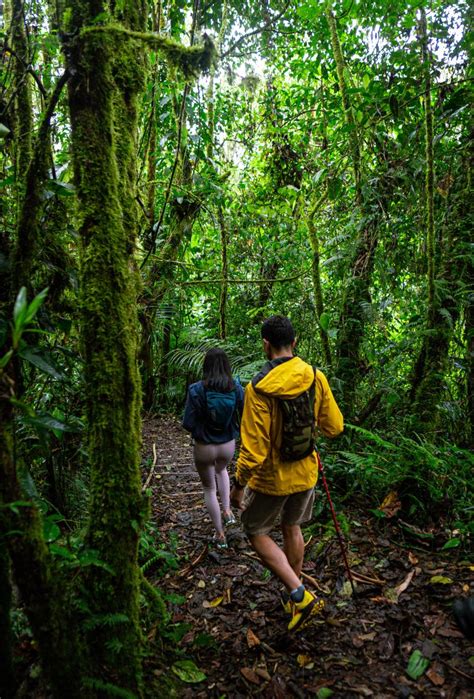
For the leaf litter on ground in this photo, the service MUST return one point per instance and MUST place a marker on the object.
(237, 632)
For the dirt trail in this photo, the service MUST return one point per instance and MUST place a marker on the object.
(231, 624)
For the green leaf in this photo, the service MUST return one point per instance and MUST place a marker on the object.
(33, 307)
(451, 544)
(310, 10)
(63, 189)
(324, 693)
(5, 359)
(39, 361)
(90, 557)
(187, 671)
(7, 181)
(366, 81)
(48, 422)
(62, 551)
(334, 188)
(417, 665)
(324, 320)
(4, 130)
(19, 309)
(440, 580)
(51, 531)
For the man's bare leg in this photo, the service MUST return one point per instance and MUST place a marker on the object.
(293, 546)
(275, 559)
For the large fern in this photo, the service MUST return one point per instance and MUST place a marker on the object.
(190, 358)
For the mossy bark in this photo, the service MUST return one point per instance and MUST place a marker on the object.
(428, 380)
(357, 287)
(102, 101)
(31, 235)
(7, 675)
(225, 276)
(318, 291)
(23, 114)
(42, 590)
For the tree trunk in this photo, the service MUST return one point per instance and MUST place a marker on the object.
(225, 275)
(22, 108)
(7, 676)
(356, 296)
(107, 78)
(43, 592)
(428, 381)
(318, 292)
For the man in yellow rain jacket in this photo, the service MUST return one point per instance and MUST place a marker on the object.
(277, 489)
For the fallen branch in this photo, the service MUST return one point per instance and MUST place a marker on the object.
(366, 579)
(185, 571)
(147, 482)
(314, 582)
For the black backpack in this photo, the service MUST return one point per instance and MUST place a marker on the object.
(298, 419)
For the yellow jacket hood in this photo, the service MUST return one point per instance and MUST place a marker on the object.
(286, 377)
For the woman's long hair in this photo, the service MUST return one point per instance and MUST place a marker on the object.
(217, 374)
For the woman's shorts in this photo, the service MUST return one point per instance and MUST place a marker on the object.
(262, 512)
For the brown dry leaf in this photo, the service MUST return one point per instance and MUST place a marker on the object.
(250, 675)
(305, 661)
(466, 588)
(391, 504)
(435, 677)
(264, 674)
(403, 586)
(393, 593)
(362, 689)
(213, 603)
(227, 596)
(412, 558)
(357, 642)
(252, 639)
(368, 636)
(332, 621)
(449, 632)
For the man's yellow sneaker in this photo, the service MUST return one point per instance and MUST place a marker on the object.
(302, 611)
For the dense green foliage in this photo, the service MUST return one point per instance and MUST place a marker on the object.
(171, 173)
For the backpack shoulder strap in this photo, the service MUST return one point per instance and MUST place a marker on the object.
(267, 368)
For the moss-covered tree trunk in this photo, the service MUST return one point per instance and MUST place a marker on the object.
(107, 77)
(318, 291)
(7, 675)
(225, 276)
(22, 119)
(428, 381)
(469, 338)
(356, 295)
(44, 594)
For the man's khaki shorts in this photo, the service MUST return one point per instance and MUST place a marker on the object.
(262, 512)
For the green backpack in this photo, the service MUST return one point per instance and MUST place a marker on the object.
(298, 420)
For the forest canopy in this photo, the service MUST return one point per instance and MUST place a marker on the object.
(172, 173)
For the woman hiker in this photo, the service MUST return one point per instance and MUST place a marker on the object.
(212, 415)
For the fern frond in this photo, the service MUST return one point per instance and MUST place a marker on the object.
(105, 620)
(373, 437)
(108, 688)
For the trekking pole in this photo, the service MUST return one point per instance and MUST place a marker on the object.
(336, 523)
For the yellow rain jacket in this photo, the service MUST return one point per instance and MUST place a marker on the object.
(259, 465)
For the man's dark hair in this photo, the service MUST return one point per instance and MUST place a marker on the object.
(279, 331)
